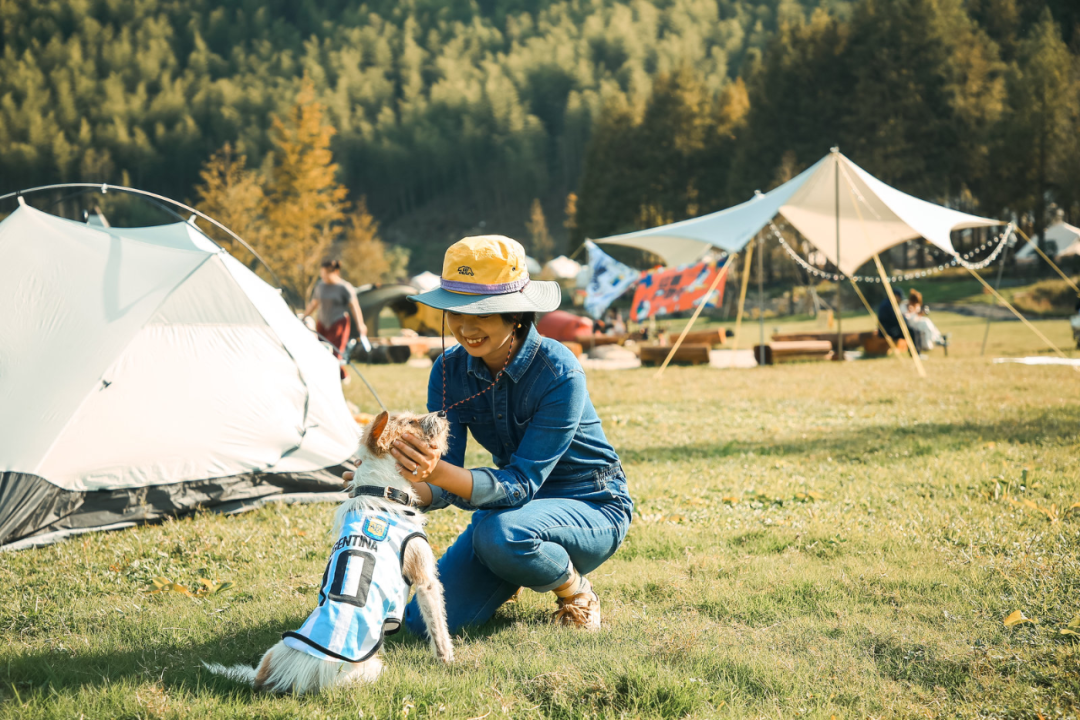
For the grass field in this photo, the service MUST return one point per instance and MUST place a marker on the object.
(820, 540)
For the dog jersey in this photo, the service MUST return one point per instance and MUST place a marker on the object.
(363, 593)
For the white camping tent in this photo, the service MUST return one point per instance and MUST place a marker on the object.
(146, 372)
(1062, 240)
(561, 268)
(426, 280)
(872, 217)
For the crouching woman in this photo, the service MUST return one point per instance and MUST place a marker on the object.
(556, 505)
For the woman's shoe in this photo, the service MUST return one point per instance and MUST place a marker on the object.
(581, 610)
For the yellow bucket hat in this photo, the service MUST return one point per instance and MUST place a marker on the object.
(487, 274)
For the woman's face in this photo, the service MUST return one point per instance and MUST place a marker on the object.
(484, 336)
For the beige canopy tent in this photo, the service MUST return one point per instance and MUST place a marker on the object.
(846, 213)
(834, 204)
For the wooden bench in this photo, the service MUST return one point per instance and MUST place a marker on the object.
(687, 354)
(794, 350)
(852, 341)
(705, 337)
(574, 347)
(875, 346)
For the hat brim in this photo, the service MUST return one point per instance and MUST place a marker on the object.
(538, 296)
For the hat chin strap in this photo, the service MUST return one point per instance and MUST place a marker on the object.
(506, 363)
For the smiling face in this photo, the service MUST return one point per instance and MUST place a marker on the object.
(484, 336)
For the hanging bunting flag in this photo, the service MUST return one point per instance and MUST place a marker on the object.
(670, 290)
(609, 279)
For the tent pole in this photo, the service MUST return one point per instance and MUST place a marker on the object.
(888, 286)
(704, 299)
(1020, 317)
(742, 299)
(877, 321)
(839, 284)
(761, 298)
(900, 316)
(997, 286)
(1048, 260)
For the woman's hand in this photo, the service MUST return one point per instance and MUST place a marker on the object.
(416, 459)
(346, 478)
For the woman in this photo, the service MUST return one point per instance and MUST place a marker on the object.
(924, 332)
(556, 505)
(333, 298)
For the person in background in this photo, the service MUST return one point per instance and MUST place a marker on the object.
(334, 298)
(615, 323)
(891, 324)
(915, 314)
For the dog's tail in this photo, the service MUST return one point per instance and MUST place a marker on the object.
(239, 673)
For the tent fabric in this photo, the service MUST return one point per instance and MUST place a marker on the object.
(561, 268)
(1062, 239)
(873, 218)
(144, 357)
(686, 242)
(34, 511)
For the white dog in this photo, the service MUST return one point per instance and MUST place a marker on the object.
(381, 550)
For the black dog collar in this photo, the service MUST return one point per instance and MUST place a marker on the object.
(386, 493)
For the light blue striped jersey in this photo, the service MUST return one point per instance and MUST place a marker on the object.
(363, 593)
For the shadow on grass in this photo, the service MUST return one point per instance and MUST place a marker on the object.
(178, 663)
(1047, 426)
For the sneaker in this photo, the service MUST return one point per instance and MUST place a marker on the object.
(581, 610)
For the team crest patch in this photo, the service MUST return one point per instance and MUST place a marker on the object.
(375, 528)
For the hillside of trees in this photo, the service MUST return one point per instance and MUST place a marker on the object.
(457, 116)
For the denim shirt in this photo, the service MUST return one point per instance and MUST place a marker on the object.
(538, 423)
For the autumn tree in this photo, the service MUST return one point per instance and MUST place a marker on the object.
(540, 243)
(364, 257)
(304, 204)
(232, 194)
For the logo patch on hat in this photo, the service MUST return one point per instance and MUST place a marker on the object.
(465, 270)
(375, 528)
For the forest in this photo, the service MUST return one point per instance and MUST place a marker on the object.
(454, 116)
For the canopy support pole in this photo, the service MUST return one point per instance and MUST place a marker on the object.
(839, 284)
(877, 320)
(742, 300)
(885, 281)
(1048, 260)
(900, 316)
(701, 306)
(761, 298)
(1020, 317)
(997, 286)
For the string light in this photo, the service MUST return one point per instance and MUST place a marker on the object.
(1001, 242)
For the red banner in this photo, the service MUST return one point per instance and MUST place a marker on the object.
(672, 290)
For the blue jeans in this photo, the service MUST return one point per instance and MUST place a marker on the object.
(529, 546)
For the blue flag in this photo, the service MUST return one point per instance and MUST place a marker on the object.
(610, 279)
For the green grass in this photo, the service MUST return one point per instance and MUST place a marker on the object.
(811, 540)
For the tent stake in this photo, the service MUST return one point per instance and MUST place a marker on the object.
(1015, 312)
(900, 316)
(997, 286)
(761, 298)
(716, 281)
(742, 300)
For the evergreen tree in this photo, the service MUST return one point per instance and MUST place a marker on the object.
(1037, 137)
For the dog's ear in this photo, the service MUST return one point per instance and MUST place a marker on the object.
(375, 431)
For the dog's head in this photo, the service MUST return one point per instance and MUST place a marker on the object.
(385, 429)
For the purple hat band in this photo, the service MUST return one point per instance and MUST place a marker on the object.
(478, 289)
